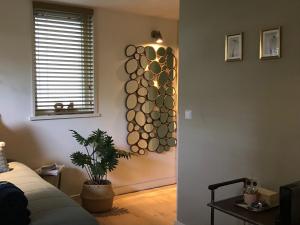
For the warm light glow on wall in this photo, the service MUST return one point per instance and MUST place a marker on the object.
(159, 41)
(155, 46)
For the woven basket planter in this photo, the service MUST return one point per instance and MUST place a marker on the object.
(97, 198)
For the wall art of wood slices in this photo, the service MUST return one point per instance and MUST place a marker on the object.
(151, 98)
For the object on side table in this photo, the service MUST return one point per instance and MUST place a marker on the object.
(51, 170)
(257, 199)
(256, 206)
(3, 161)
(268, 196)
(250, 192)
(228, 206)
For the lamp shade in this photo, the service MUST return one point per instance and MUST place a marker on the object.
(2, 145)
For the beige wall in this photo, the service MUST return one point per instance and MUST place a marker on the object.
(39, 142)
(245, 114)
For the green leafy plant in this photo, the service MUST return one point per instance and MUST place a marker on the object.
(100, 155)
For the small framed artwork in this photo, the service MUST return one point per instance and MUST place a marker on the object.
(234, 47)
(270, 43)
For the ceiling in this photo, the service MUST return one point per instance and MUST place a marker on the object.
(159, 8)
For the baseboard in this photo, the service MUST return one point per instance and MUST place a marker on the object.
(178, 223)
(144, 185)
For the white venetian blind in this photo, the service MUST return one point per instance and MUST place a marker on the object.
(64, 60)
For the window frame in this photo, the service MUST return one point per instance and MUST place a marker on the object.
(67, 9)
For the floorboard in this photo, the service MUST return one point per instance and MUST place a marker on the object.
(150, 207)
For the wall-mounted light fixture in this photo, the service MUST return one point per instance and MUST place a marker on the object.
(156, 35)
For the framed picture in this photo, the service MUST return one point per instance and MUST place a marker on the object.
(234, 47)
(270, 43)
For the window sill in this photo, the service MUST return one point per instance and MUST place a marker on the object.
(59, 117)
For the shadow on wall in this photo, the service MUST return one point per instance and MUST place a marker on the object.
(21, 146)
(68, 176)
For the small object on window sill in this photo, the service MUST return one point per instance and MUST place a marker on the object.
(58, 107)
(71, 106)
(60, 110)
(64, 116)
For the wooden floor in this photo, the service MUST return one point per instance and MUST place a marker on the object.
(150, 207)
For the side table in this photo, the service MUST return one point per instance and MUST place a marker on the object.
(227, 206)
(53, 173)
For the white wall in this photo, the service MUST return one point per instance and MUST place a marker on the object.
(245, 114)
(39, 142)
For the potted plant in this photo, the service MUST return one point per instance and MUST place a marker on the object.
(99, 158)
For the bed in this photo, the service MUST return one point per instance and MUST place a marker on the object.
(47, 204)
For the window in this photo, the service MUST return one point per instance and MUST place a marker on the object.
(63, 60)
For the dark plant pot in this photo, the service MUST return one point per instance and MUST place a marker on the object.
(97, 198)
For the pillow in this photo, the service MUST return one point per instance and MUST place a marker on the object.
(3, 161)
(13, 205)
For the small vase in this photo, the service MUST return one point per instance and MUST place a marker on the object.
(250, 198)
